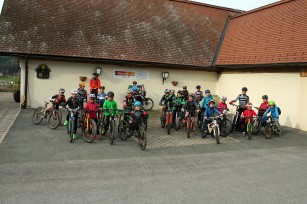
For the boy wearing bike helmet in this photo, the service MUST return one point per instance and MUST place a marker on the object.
(107, 106)
(166, 100)
(248, 114)
(179, 103)
(205, 102)
(73, 103)
(243, 101)
(209, 113)
(128, 101)
(185, 92)
(94, 84)
(136, 114)
(198, 94)
(222, 106)
(93, 106)
(190, 106)
(57, 99)
(101, 97)
(82, 94)
(274, 110)
(264, 106)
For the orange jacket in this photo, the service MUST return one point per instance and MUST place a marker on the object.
(94, 83)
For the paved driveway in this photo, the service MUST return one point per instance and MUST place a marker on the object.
(38, 165)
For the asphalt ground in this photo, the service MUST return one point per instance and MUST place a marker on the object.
(39, 165)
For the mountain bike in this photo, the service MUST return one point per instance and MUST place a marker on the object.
(112, 125)
(71, 123)
(235, 117)
(251, 126)
(225, 125)
(272, 128)
(259, 124)
(214, 128)
(190, 121)
(167, 118)
(179, 118)
(89, 127)
(148, 103)
(54, 116)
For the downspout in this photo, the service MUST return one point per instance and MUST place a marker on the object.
(24, 105)
(217, 52)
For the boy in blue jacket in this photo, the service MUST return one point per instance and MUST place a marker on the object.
(274, 110)
(209, 113)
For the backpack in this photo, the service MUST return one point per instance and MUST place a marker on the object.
(279, 111)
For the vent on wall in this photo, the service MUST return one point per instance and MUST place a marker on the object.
(303, 72)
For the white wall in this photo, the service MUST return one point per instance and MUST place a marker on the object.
(66, 75)
(302, 111)
(283, 88)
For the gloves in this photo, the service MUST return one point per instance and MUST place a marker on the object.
(231, 102)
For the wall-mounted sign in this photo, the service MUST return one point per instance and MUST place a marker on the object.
(42, 71)
(128, 74)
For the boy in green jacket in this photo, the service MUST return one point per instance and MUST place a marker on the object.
(108, 106)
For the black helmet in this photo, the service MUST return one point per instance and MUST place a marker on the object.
(265, 97)
(191, 95)
(207, 91)
(198, 86)
(244, 89)
(184, 87)
(110, 94)
(179, 92)
(61, 90)
(95, 73)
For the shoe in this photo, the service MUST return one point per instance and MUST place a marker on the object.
(74, 136)
(65, 123)
(98, 137)
(103, 132)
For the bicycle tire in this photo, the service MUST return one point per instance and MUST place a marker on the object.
(38, 115)
(169, 124)
(223, 126)
(146, 123)
(189, 126)
(70, 130)
(111, 133)
(178, 122)
(216, 134)
(257, 124)
(234, 122)
(122, 130)
(148, 104)
(249, 130)
(142, 138)
(277, 127)
(55, 115)
(81, 118)
(162, 123)
(268, 132)
(87, 136)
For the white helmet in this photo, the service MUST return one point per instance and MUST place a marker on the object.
(92, 96)
(224, 98)
(74, 91)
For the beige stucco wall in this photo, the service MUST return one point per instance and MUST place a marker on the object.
(302, 113)
(284, 88)
(66, 75)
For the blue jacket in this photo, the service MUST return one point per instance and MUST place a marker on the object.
(205, 101)
(274, 113)
(210, 112)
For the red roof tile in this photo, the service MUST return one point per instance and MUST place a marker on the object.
(159, 31)
(272, 34)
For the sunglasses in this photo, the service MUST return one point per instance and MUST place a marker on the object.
(92, 99)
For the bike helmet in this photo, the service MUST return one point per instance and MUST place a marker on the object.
(184, 87)
(211, 101)
(166, 91)
(95, 74)
(82, 84)
(110, 94)
(92, 96)
(134, 89)
(61, 90)
(102, 87)
(179, 92)
(74, 91)
(135, 82)
(139, 85)
(249, 105)
(224, 98)
(198, 86)
(265, 97)
(191, 95)
(244, 89)
(272, 103)
(172, 91)
(137, 103)
(207, 91)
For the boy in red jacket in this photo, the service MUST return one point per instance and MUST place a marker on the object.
(248, 114)
(264, 106)
(93, 106)
(222, 106)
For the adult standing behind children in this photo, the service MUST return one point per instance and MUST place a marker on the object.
(94, 84)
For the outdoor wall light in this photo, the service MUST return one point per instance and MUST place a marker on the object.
(164, 76)
(98, 70)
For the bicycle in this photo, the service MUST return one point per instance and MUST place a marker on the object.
(214, 126)
(190, 121)
(89, 127)
(71, 123)
(225, 125)
(112, 125)
(54, 116)
(148, 103)
(272, 128)
(235, 117)
(179, 118)
(259, 123)
(251, 127)
(167, 118)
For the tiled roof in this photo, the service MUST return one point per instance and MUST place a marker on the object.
(272, 34)
(157, 31)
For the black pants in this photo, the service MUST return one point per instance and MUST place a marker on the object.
(239, 120)
(75, 121)
(106, 123)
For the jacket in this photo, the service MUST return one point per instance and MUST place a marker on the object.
(243, 100)
(263, 107)
(82, 94)
(110, 105)
(221, 107)
(180, 101)
(210, 112)
(199, 96)
(101, 97)
(191, 105)
(92, 107)
(204, 103)
(94, 83)
(58, 99)
(273, 111)
(185, 94)
(128, 102)
(249, 113)
(73, 103)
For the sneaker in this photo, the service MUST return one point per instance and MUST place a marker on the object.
(66, 123)
(74, 136)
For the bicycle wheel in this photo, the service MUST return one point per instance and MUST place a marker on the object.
(162, 123)
(89, 131)
(70, 130)
(189, 126)
(178, 122)
(225, 126)
(148, 104)
(257, 124)
(169, 124)
(142, 138)
(122, 130)
(249, 130)
(268, 131)
(38, 115)
(54, 119)
(277, 129)
(81, 118)
(146, 123)
(234, 122)
(112, 130)
(216, 134)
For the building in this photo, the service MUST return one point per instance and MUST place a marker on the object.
(219, 48)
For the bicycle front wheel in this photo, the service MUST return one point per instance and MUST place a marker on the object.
(256, 126)
(122, 130)
(234, 122)
(38, 115)
(189, 126)
(112, 130)
(148, 104)
(70, 130)
(89, 130)
(249, 130)
(268, 132)
(54, 119)
(142, 138)
(216, 134)
(226, 127)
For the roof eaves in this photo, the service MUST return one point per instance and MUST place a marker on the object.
(284, 64)
(209, 5)
(261, 8)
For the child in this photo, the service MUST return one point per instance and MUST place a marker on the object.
(82, 94)
(93, 106)
(185, 92)
(167, 101)
(198, 94)
(101, 97)
(128, 101)
(73, 104)
(209, 113)
(204, 103)
(109, 104)
(248, 114)
(94, 84)
(190, 106)
(274, 110)
(179, 102)
(264, 106)
(136, 115)
(57, 99)
(222, 106)
(243, 101)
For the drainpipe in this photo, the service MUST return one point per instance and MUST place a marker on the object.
(24, 105)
